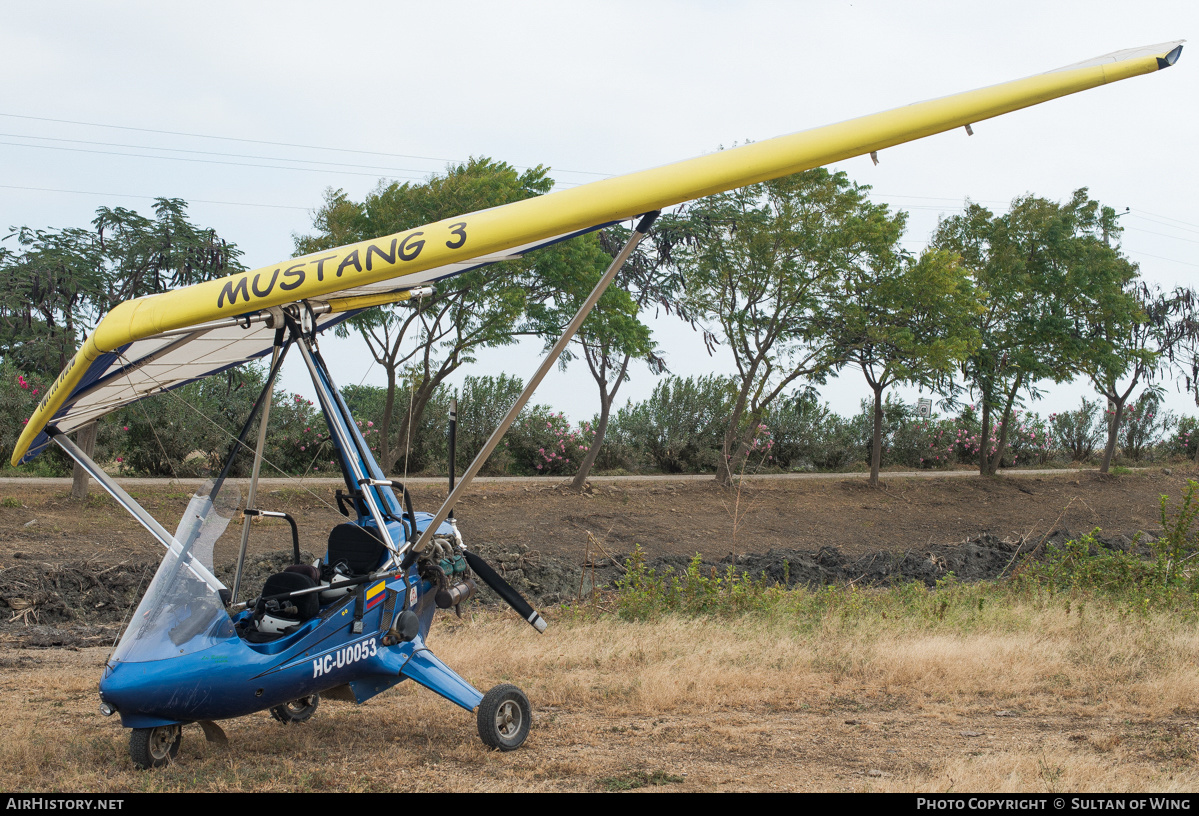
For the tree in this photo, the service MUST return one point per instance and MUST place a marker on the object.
(1039, 270)
(430, 338)
(905, 320)
(613, 335)
(1131, 342)
(762, 263)
(59, 283)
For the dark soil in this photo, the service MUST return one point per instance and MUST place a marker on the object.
(70, 572)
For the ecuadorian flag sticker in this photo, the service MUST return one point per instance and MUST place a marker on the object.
(375, 594)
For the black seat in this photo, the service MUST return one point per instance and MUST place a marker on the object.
(274, 618)
(357, 547)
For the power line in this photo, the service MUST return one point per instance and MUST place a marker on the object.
(1163, 223)
(208, 153)
(1168, 218)
(1162, 234)
(1160, 257)
(265, 142)
(200, 161)
(152, 198)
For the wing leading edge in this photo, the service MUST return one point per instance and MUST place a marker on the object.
(453, 245)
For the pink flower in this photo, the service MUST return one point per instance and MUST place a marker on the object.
(125, 428)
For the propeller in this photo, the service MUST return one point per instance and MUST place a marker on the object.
(502, 588)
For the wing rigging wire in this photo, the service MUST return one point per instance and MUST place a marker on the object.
(420, 312)
(129, 379)
(229, 434)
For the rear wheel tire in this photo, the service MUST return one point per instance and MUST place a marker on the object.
(504, 718)
(154, 747)
(297, 710)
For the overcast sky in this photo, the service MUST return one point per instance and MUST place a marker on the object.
(250, 111)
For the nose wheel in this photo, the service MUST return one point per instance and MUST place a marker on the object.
(297, 710)
(154, 747)
(504, 718)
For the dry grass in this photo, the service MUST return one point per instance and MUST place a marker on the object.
(1030, 699)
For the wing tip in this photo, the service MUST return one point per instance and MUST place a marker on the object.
(1170, 58)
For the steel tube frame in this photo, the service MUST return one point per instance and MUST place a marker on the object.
(253, 493)
(349, 451)
(136, 510)
(550, 359)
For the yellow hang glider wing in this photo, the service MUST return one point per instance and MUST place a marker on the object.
(156, 343)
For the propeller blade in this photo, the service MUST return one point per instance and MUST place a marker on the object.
(502, 588)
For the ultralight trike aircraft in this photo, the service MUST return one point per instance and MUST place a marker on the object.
(356, 622)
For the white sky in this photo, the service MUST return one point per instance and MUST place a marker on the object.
(589, 89)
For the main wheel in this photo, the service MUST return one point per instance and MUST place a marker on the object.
(504, 718)
(154, 747)
(297, 710)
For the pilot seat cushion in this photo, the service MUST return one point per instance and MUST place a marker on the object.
(307, 605)
(356, 547)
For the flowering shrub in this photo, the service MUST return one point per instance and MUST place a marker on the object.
(545, 444)
(1185, 438)
(1142, 426)
(760, 449)
(679, 429)
(19, 396)
(1078, 432)
(1028, 440)
(925, 443)
(807, 435)
(297, 439)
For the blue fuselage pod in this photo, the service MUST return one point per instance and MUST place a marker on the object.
(233, 677)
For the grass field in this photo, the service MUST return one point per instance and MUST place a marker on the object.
(854, 691)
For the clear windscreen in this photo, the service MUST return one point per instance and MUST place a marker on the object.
(181, 611)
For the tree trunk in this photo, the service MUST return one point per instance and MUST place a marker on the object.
(387, 455)
(1113, 430)
(580, 480)
(876, 448)
(413, 418)
(984, 434)
(85, 438)
(992, 463)
(735, 450)
(732, 451)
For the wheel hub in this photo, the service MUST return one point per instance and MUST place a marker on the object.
(508, 718)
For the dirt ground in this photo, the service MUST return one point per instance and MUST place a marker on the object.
(663, 516)
(65, 562)
(70, 571)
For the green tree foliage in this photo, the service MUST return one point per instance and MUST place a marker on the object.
(1132, 342)
(613, 335)
(762, 264)
(904, 319)
(58, 283)
(1042, 271)
(429, 339)
(680, 427)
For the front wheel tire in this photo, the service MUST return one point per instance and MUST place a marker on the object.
(504, 718)
(154, 747)
(297, 710)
